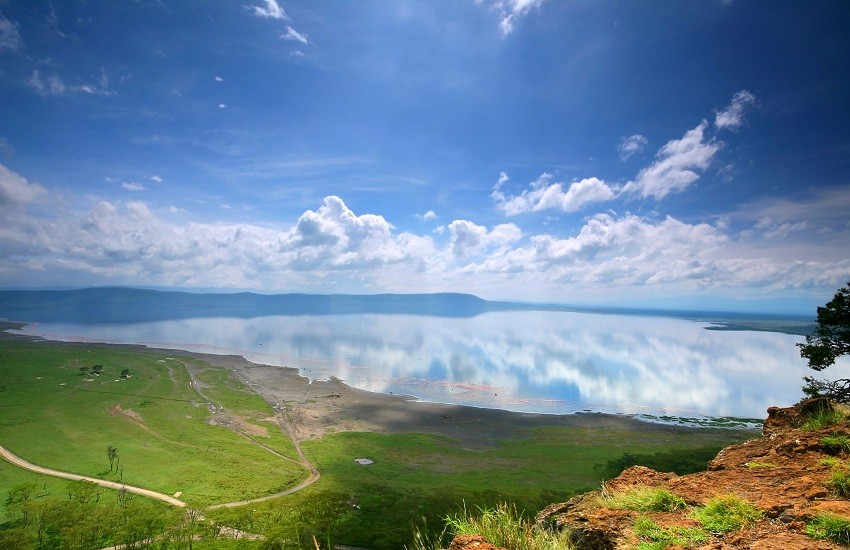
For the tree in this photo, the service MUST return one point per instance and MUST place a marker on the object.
(125, 373)
(829, 341)
(84, 371)
(97, 369)
(112, 455)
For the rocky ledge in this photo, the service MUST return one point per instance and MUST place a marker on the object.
(787, 474)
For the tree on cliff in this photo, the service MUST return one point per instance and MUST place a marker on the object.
(829, 341)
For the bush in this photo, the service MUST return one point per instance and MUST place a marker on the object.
(823, 417)
(836, 443)
(724, 514)
(830, 527)
(840, 483)
(657, 537)
(504, 526)
(643, 499)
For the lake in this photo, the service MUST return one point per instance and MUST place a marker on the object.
(536, 361)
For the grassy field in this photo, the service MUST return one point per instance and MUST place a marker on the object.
(53, 414)
(56, 417)
(417, 480)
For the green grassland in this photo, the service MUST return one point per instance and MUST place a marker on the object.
(52, 415)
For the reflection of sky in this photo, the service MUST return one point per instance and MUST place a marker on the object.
(529, 361)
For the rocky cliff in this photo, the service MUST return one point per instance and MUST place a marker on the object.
(784, 483)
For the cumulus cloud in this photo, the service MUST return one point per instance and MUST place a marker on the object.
(676, 164)
(331, 248)
(631, 145)
(732, 117)
(15, 190)
(543, 194)
(429, 215)
(468, 238)
(219, 79)
(292, 34)
(10, 36)
(156, 179)
(271, 10)
(334, 237)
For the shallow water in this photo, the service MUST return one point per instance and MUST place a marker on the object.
(551, 362)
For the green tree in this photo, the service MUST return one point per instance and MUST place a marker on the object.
(112, 455)
(97, 369)
(829, 341)
(125, 373)
(84, 371)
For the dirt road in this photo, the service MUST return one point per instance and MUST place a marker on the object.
(18, 461)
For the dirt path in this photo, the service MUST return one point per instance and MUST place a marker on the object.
(18, 461)
(302, 458)
(286, 427)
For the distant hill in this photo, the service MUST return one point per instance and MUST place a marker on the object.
(123, 305)
(135, 305)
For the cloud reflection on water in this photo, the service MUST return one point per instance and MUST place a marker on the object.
(531, 361)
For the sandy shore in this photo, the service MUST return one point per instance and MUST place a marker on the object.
(321, 407)
(317, 408)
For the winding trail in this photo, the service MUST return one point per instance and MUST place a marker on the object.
(314, 476)
(7, 455)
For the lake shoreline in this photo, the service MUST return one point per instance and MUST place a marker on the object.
(321, 407)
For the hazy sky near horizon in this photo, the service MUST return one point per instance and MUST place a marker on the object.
(658, 152)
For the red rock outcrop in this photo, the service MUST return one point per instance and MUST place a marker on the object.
(783, 473)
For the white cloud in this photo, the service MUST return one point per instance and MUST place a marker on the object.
(510, 11)
(15, 190)
(219, 79)
(632, 145)
(54, 85)
(732, 117)
(676, 164)
(468, 238)
(133, 186)
(156, 179)
(222, 105)
(429, 215)
(545, 195)
(10, 36)
(331, 248)
(292, 34)
(271, 10)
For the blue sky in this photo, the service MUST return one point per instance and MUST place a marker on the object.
(690, 154)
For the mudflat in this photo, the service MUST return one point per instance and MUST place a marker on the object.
(319, 407)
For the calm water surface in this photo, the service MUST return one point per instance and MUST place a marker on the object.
(553, 362)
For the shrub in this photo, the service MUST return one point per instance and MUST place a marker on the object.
(823, 417)
(725, 514)
(836, 443)
(831, 461)
(643, 499)
(657, 537)
(840, 483)
(830, 527)
(504, 526)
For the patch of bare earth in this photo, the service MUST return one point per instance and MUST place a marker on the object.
(241, 424)
(127, 413)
